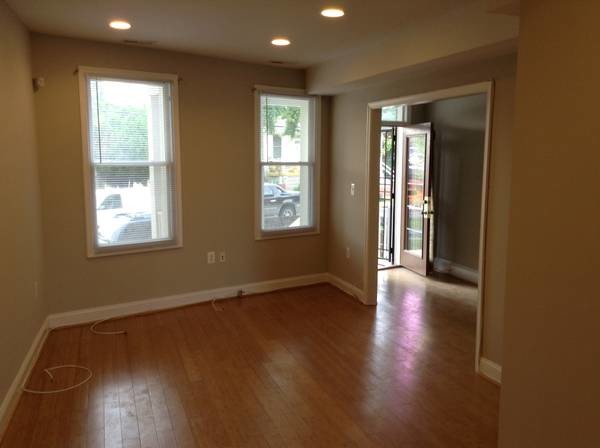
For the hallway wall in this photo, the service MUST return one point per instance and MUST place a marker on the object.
(457, 152)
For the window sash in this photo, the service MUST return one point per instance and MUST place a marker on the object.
(165, 132)
(171, 193)
(310, 126)
(310, 206)
(171, 198)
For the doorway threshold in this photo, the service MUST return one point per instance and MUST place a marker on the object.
(382, 266)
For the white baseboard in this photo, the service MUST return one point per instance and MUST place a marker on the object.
(11, 399)
(456, 270)
(348, 288)
(162, 303)
(490, 370)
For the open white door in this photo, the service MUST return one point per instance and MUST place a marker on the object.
(414, 237)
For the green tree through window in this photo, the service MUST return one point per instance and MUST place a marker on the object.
(290, 114)
(124, 137)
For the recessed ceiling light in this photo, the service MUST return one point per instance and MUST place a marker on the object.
(120, 25)
(280, 42)
(332, 12)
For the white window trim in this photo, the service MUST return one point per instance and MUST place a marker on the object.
(315, 229)
(92, 249)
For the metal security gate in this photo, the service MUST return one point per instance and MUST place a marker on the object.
(387, 195)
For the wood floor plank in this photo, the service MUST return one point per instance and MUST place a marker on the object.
(306, 367)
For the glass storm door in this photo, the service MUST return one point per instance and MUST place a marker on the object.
(415, 198)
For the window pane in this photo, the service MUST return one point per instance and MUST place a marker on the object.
(286, 129)
(393, 113)
(415, 186)
(286, 197)
(132, 205)
(129, 121)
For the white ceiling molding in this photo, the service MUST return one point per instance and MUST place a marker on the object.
(463, 34)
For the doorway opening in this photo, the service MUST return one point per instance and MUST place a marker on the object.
(429, 203)
(434, 156)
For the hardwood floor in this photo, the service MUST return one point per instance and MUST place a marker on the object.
(306, 367)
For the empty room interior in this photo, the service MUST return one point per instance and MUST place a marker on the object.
(299, 224)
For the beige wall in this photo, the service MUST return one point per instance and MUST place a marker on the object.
(217, 149)
(458, 148)
(510, 7)
(21, 312)
(348, 158)
(551, 371)
(467, 224)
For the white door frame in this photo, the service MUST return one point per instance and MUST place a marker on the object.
(372, 189)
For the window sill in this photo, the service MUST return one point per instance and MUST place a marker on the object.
(128, 250)
(287, 234)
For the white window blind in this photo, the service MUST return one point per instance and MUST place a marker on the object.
(287, 163)
(132, 165)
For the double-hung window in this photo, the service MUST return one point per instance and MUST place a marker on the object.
(288, 169)
(131, 158)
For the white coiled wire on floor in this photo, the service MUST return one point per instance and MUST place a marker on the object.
(49, 371)
(101, 332)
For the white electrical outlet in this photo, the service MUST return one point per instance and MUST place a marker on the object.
(347, 252)
(210, 257)
(352, 189)
(222, 257)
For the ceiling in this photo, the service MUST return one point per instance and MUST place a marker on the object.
(233, 29)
